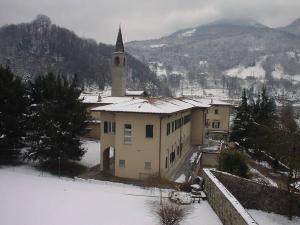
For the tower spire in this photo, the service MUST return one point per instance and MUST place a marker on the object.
(119, 44)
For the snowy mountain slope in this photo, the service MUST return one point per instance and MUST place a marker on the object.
(40, 47)
(227, 54)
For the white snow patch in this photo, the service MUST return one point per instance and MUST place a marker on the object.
(264, 218)
(256, 71)
(278, 73)
(157, 46)
(264, 164)
(193, 157)
(263, 178)
(188, 33)
(181, 179)
(92, 156)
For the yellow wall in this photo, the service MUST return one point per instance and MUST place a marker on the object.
(222, 116)
(141, 149)
(197, 126)
(172, 142)
(155, 150)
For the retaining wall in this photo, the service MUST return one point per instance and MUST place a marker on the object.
(226, 206)
(253, 195)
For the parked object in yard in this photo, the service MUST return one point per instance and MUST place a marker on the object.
(180, 197)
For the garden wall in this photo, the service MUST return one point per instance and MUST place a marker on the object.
(226, 206)
(253, 195)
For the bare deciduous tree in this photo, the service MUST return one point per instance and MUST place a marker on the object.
(170, 213)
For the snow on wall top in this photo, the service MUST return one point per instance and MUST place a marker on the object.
(235, 203)
(212, 101)
(153, 105)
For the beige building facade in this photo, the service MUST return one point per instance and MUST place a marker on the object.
(137, 144)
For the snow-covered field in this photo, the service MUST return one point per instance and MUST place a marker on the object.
(30, 198)
(264, 218)
(242, 72)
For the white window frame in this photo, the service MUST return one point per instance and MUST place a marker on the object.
(127, 134)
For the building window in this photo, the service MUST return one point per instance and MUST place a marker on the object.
(187, 119)
(109, 127)
(147, 165)
(168, 129)
(122, 163)
(127, 134)
(149, 131)
(166, 162)
(215, 124)
(178, 150)
(105, 127)
(216, 111)
(173, 126)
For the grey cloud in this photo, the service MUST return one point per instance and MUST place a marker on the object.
(144, 19)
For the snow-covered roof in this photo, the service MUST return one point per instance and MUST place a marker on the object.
(94, 98)
(153, 105)
(108, 99)
(89, 97)
(135, 93)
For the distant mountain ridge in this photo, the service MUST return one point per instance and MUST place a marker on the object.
(293, 28)
(39, 47)
(226, 54)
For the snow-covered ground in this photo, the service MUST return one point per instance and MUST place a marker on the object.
(29, 197)
(92, 156)
(264, 218)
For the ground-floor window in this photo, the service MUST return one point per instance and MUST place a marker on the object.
(147, 165)
(122, 163)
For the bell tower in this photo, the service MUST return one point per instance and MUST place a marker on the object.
(119, 68)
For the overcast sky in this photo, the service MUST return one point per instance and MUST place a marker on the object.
(144, 19)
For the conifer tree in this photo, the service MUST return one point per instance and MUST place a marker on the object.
(13, 103)
(58, 119)
(242, 123)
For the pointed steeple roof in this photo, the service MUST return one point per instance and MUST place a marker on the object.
(119, 44)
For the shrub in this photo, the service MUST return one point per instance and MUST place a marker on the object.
(232, 161)
(170, 213)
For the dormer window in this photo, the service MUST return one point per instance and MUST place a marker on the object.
(117, 61)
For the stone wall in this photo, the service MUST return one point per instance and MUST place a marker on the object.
(228, 209)
(253, 195)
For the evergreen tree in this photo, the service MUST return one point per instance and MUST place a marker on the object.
(13, 103)
(58, 118)
(264, 122)
(242, 123)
